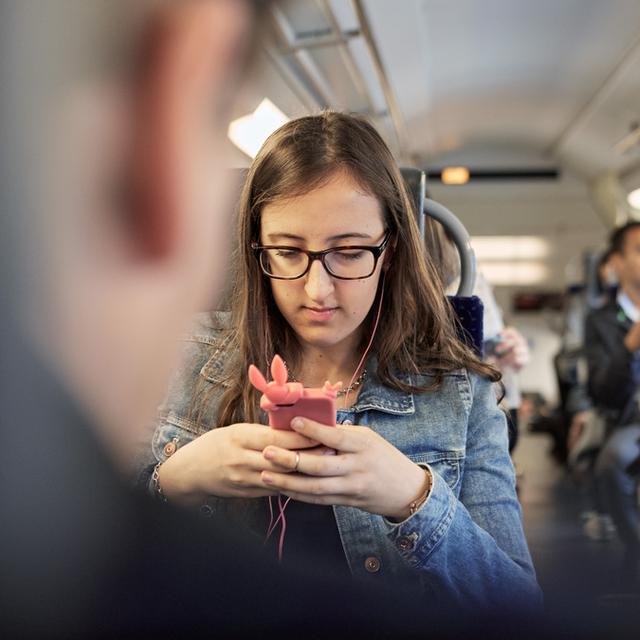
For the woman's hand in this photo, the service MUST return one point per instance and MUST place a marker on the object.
(366, 472)
(226, 462)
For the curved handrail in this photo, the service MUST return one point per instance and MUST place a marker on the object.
(462, 241)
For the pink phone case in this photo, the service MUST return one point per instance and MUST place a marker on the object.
(314, 405)
(285, 400)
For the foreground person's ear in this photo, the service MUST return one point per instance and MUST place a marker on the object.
(189, 49)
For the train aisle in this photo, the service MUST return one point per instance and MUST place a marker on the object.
(578, 575)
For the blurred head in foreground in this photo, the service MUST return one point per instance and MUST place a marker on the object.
(116, 114)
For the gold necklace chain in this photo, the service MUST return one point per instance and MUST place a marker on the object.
(342, 392)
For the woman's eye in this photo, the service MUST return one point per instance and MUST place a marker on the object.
(350, 256)
(287, 253)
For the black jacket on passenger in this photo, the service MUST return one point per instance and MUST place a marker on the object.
(611, 383)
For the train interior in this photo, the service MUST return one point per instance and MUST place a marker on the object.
(516, 125)
(524, 119)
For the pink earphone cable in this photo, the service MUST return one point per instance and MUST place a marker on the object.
(283, 529)
(281, 506)
(273, 525)
(373, 335)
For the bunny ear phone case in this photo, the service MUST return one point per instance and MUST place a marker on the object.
(286, 400)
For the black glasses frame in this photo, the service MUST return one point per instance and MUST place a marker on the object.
(321, 255)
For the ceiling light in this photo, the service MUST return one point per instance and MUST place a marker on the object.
(514, 273)
(489, 248)
(455, 175)
(634, 199)
(249, 132)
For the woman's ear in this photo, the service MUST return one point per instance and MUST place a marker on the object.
(388, 256)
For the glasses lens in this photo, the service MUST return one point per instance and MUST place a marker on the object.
(350, 263)
(283, 263)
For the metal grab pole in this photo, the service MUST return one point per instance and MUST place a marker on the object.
(462, 241)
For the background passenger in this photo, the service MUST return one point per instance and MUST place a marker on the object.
(420, 488)
(607, 277)
(612, 343)
(587, 424)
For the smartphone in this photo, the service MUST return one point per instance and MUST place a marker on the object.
(315, 404)
(495, 347)
(490, 347)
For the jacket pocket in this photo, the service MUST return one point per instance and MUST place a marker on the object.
(446, 463)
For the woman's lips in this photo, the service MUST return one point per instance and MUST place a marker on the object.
(319, 314)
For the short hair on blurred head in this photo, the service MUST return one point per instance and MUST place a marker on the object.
(619, 235)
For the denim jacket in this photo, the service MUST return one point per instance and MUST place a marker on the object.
(464, 545)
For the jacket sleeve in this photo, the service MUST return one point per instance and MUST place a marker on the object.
(167, 438)
(609, 364)
(472, 547)
(190, 405)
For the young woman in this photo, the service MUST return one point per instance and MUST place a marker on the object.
(419, 488)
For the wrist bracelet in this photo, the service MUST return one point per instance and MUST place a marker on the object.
(157, 489)
(422, 498)
(169, 449)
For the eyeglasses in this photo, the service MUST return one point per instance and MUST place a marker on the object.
(353, 262)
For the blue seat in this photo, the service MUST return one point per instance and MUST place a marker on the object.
(468, 308)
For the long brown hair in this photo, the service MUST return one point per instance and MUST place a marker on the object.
(417, 331)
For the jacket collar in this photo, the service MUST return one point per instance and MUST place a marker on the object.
(375, 396)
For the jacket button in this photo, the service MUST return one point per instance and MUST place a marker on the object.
(206, 510)
(372, 564)
(347, 422)
(170, 448)
(404, 544)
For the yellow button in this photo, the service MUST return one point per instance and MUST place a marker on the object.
(170, 448)
(372, 564)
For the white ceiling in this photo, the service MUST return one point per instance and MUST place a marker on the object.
(560, 78)
(486, 83)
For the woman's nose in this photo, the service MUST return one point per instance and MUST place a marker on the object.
(318, 283)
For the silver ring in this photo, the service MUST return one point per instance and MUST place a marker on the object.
(297, 464)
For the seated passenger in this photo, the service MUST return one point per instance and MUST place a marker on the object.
(612, 344)
(606, 279)
(418, 489)
(587, 425)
